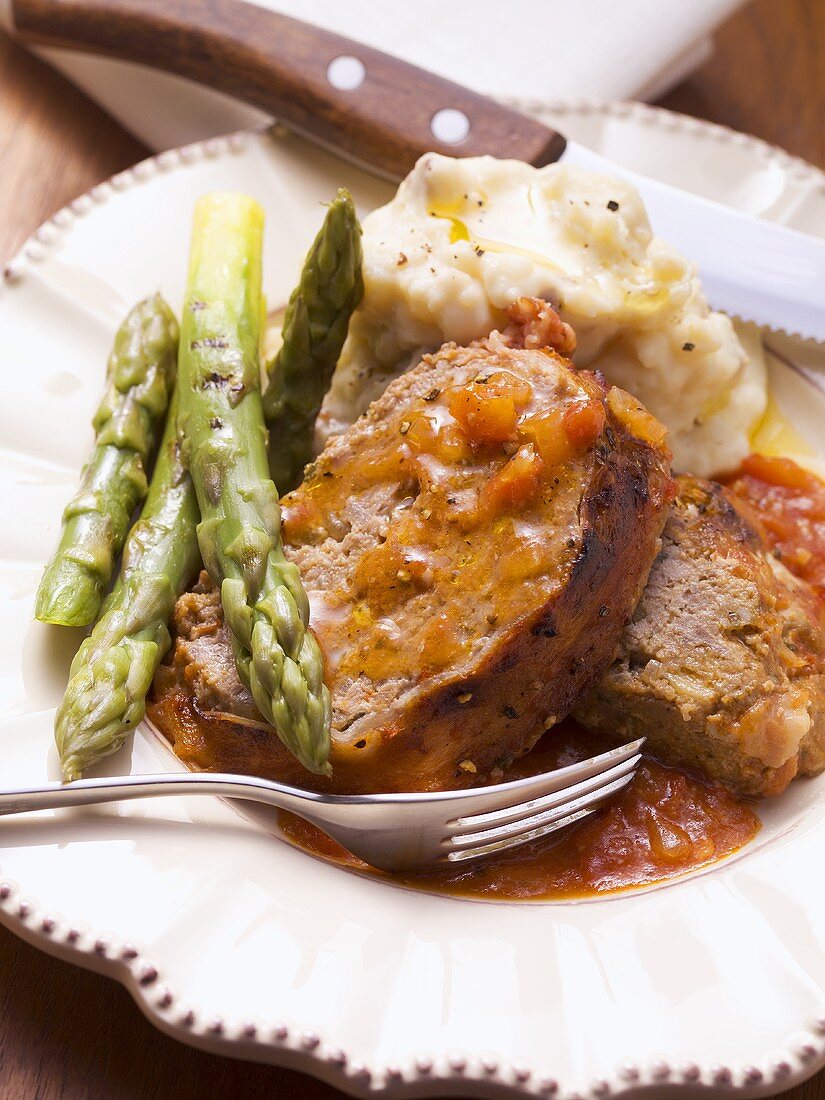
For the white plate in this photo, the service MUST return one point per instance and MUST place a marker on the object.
(235, 942)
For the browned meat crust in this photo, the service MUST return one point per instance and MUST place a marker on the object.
(722, 666)
(454, 635)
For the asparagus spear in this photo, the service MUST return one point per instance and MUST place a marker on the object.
(96, 520)
(113, 669)
(222, 425)
(315, 327)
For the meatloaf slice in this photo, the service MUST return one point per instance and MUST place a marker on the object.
(722, 667)
(203, 653)
(472, 549)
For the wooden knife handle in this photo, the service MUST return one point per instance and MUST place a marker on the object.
(286, 67)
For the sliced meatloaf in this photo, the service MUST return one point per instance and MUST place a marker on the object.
(722, 667)
(472, 549)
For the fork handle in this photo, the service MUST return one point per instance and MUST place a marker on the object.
(281, 65)
(93, 792)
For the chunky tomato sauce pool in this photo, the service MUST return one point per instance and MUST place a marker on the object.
(790, 502)
(665, 823)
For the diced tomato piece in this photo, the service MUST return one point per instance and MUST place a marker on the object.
(790, 502)
(635, 417)
(515, 484)
(504, 384)
(548, 435)
(487, 407)
(448, 443)
(584, 423)
(487, 418)
(420, 433)
(781, 471)
(300, 518)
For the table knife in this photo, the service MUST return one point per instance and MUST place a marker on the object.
(385, 113)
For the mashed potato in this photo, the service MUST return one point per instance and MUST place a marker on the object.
(463, 238)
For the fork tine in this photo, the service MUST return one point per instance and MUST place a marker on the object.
(522, 809)
(466, 854)
(501, 797)
(486, 841)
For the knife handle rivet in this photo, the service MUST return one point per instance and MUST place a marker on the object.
(449, 126)
(346, 73)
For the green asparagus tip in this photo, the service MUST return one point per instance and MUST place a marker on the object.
(315, 326)
(68, 597)
(139, 378)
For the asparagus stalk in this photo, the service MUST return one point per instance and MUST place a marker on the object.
(96, 520)
(221, 422)
(315, 327)
(112, 672)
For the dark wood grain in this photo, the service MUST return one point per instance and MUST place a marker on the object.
(66, 1034)
(54, 144)
(280, 64)
(766, 77)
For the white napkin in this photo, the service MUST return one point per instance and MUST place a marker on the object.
(541, 49)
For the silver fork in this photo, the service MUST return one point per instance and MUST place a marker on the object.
(394, 832)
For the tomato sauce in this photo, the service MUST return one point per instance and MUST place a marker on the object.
(790, 502)
(666, 822)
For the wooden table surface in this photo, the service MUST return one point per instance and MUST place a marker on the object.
(67, 1034)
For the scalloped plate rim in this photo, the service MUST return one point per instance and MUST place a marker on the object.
(457, 1076)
